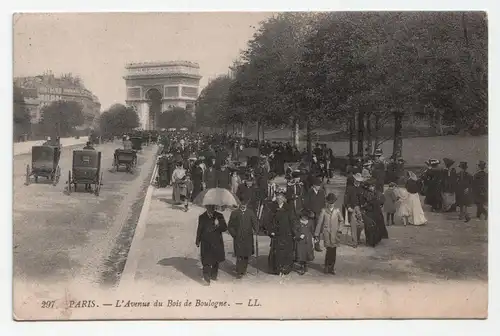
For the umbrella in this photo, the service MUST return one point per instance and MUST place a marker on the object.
(216, 196)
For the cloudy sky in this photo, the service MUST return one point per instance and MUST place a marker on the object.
(97, 46)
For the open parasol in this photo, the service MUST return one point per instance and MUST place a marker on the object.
(216, 196)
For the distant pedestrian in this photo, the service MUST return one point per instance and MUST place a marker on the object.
(390, 199)
(480, 190)
(403, 210)
(464, 191)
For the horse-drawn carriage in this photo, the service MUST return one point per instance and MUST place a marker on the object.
(136, 143)
(125, 157)
(44, 163)
(86, 170)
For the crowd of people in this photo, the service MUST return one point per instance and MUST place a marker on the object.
(300, 214)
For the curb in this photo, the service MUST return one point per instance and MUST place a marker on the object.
(128, 275)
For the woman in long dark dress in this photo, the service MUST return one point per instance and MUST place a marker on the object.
(282, 233)
(373, 217)
(197, 176)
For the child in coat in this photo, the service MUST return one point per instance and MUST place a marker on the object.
(390, 199)
(304, 247)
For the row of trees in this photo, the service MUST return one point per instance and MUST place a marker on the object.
(357, 71)
(120, 119)
(59, 118)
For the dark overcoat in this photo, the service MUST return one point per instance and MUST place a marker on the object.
(304, 248)
(223, 179)
(281, 254)
(463, 193)
(210, 177)
(209, 237)
(241, 226)
(197, 177)
(250, 194)
(480, 187)
(315, 201)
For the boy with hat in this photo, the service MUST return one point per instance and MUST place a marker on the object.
(481, 190)
(314, 201)
(304, 249)
(464, 191)
(329, 226)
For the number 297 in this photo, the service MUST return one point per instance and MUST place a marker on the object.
(48, 304)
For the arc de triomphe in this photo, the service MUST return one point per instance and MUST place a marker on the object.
(156, 87)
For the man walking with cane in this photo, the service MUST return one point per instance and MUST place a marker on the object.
(242, 226)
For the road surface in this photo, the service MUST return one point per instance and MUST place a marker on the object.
(59, 238)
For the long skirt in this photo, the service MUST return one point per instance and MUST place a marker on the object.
(417, 216)
(281, 255)
(179, 193)
(448, 200)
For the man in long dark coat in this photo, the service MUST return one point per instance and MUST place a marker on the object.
(314, 201)
(210, 175)
(211, 225)
(223, 177)
(282, 233)
(242, 226)
(464, 191)
(432, 181)
(352, 204)
(378, 173)
(480, 190)
(197, 175)
(249, 191)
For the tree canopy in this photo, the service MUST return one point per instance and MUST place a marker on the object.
(61, 117)
(178, 117)
(117, 120)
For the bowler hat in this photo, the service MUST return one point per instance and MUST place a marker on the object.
(482, 164)
(463, 165)
(358, 177)
(331, 198)
(296, 173)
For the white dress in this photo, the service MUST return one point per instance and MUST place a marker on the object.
(403, 203)
(417, 216)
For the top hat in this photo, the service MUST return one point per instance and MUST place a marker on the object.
(331, 198)
(463, 165)
(448, 162)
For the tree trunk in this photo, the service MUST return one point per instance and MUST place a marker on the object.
(361, 131)
(397, 150)
(263, 134)
(377, 129)
(258, 131)
(309, 140)
(369, 144)
(352, 127)
(439, 122)
(295, 133)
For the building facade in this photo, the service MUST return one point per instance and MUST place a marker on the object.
(42, 90)
(156, 87)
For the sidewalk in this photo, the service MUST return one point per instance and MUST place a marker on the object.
(25, 147)
(445, 249)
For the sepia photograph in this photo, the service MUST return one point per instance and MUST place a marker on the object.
(250, 165)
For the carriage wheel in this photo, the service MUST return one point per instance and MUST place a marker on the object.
(98, 185)
(57, 176)
(69, 182)
(27, 182)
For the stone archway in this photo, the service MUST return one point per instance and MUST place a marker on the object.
(154, 98)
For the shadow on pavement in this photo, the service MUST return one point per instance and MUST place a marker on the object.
(188, 266)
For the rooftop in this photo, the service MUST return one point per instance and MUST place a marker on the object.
(162, 64)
